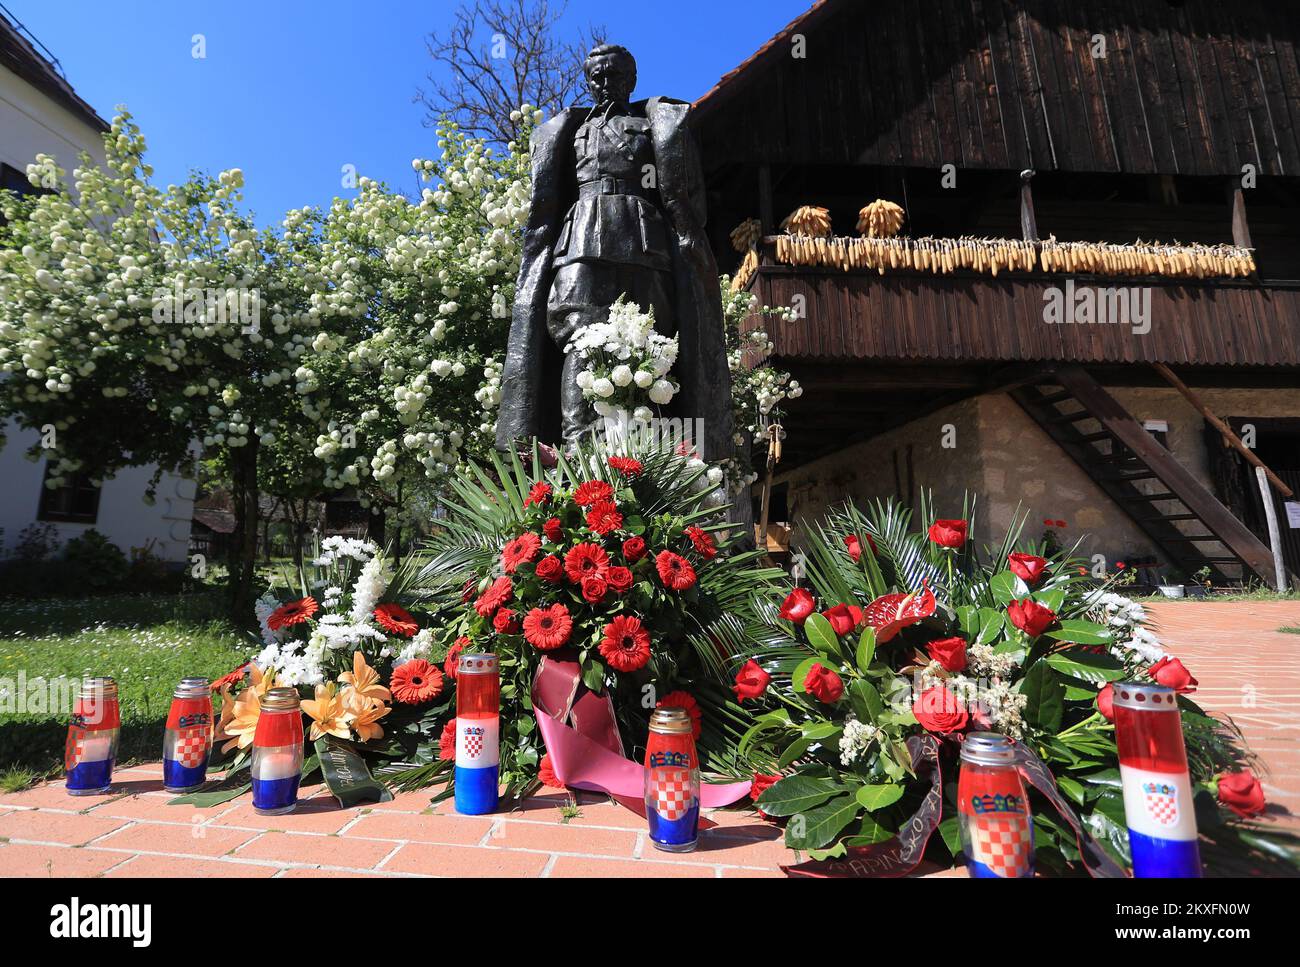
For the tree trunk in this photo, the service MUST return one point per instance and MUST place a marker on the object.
(299, 529)
(243, 565)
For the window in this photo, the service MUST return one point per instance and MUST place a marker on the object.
(76, 502)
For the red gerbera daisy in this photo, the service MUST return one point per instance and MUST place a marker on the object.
(675, 571)
(687, 701)
(447, 743)
(548, 628)
(592, 492)
(626, 466)
(585, 561)
(626, 644)
(546, 774)
(230, 678)
(522, 550)
(452, 662)
(538, 493)
(415, 682)
(396, 620)
(703, 542)
(604, 517)
(293, 613)
(498, 594)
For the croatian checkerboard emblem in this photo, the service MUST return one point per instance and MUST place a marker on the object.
(673, 798)
(1161, 802)
(72, 751)
(1004, 845)
(191, 747)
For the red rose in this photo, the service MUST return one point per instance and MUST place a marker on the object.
(855, 546)
(798, 605)
(634, 549)
(506, 622)
(1027, 567)
(938, 710)
(823, 684)
(675, 571)
(762, 782)
(949, 533)
(620, 579)
(1171, 673)
(1242, 793)
(751, 681)
(551, 568)
(1106, 702)
(949, 652)
(843, 618)
(553, 529)
(594, 589)
(1031, 617)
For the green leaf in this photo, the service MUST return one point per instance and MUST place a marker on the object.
(1046, 697)
(991, 623)
(1051, 599)
(801, 672)
(1081, 632)
(796, 793)
(866, 649)
(816, 827)
(876, 797)
(1003, 587)
(1086, 666)
(950, 830)
(821, 635)
(866, 701)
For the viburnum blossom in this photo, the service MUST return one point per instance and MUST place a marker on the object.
(625, 644)
(675, 571)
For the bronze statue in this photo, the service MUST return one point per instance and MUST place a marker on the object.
(617, 210)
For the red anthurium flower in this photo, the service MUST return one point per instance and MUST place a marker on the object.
(949, 533)
(798, 605)
(823, 684)
(498, 594)
(675, 571)
(843, 618)
(626, 466)
(939, 710)
(1027, 567)
(396, 620)
(592, 492)
(625, 645)
(295, 612)
(1171, 673)
(548, 628)
(687, 701)
(586, 561)
(891, 613)
(855, 546)
(1242, 793)
(1031, 617)
(522, 550)
(539, 494)
(949, 653)
(751, 681)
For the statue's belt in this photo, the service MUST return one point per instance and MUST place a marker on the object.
(611, 186)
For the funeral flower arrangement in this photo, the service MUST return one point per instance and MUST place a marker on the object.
(626, 363)
(901, 633)
(615, 563)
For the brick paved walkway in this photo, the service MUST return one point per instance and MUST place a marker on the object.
(1246, 669)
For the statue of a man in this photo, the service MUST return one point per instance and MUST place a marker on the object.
(617, 210)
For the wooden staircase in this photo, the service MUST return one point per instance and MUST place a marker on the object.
(1189, 525)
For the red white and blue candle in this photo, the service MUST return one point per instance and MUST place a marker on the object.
(478, 733)
(187, 742)
(997, 828)
(1157, 789)
(277, 753)
(93, 733)
(672, 782)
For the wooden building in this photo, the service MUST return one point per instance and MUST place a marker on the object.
(1141, 156)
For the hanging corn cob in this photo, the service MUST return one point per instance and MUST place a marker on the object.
(746, 237)
(880, 219)
(808, 220)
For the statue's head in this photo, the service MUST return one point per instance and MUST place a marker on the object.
(611, 73)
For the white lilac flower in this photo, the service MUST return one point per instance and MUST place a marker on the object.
(855, 740)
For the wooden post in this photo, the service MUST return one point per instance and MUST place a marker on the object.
(1274, 535)
(1028, 222)
(765, 213)
(1232, 439)
(1240, 227)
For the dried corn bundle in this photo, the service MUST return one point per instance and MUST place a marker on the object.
(808, 220)
(747, 234)
(748, 266)
(880, 219)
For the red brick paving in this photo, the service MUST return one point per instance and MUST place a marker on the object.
(1247, 670)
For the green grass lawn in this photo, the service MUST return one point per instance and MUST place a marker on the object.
(147, 643)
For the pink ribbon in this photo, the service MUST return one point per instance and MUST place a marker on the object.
(589, 754)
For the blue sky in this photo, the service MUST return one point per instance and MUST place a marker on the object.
(291, 91)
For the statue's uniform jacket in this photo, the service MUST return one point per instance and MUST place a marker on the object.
(617, 203)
